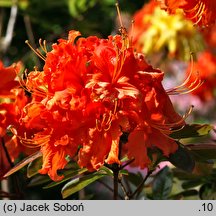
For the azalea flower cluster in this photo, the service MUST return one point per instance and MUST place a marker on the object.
(90, 93)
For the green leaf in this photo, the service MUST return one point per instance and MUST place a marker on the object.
(183, 194)
(76, 8)
(67, 175)
(9, 3)
(6, 3)
(124, 159)
(182, 175)
(23, 4)
(135, 178)
(23, 163)
(33, 167)
(182, 159)
(192, 183)
(109, 2)
(39, 180)
(123, 172)
(106, 170)
(79, 183)
(207, 192)
(194, 130)
(162, 184)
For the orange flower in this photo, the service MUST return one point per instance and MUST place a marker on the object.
(154, 120)
(206, 70)
(89, 93)
(201, 12)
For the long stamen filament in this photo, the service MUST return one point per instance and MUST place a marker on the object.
(36, 51)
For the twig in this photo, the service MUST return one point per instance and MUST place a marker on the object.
(127, 185)
(126, 164)
(6, 152)
(115, 182)
(140, 187)
(124, 190)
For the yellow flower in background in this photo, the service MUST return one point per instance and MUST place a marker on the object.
(169, 33)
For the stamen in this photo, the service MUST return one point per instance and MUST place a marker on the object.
(106, 122)
(122, 29)
(30, 142)
(185, 87)
(168, 128)
(199, 9)
(36, 51)
(36, 91)
(119, 15)
(43, 46)
(132, 32)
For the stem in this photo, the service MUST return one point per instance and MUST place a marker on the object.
(115, 182)
(127, 185)
(6, 152)
(140, 187)
(124, 190)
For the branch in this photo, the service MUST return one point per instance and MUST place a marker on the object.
(10, 29)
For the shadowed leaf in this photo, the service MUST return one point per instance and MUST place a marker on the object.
(192, 183)
(79, 183)
(194, 130)
(207, 192)
(39, 180)
(23, 163)
(204, 150)
(183, 194)
(162, 184)
(67, 175)
(182, 159)
(33, 167)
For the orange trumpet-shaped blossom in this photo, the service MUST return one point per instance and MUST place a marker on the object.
(91, 91)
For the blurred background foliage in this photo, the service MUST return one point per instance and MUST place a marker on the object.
(52, 19)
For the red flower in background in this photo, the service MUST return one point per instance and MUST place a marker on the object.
(201, 12)
(210, 36)
(12, 101)
(8, 82)
(205, 67)
(90, 92)
(140, 24)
